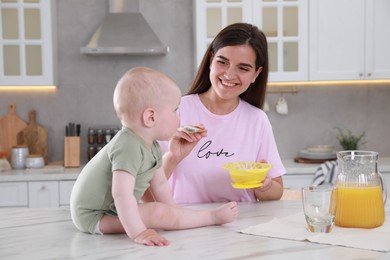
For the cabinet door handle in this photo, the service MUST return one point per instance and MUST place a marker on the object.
(369, 74)
(360, 75)
(43, 187)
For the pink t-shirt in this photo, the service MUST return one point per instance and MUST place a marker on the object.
(243, 135)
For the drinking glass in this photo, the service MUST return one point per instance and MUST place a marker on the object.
(319, 208)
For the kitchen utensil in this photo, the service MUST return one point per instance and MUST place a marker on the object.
(247, 175)
(72, 151)
(281, 106)
(321, 148)
(309, 161)
(10, 125)
(317, 155)
(34, 136)
(72, 129)
(360, 191)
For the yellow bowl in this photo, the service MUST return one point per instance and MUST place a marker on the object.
(247, 175)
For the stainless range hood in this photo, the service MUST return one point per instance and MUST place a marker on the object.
(124, 31)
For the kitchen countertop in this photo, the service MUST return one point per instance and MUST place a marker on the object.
(56, 171)
(307, 168)
(48, 173)
(50, 234)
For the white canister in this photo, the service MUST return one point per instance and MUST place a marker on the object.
(18, 157)
(34, 161)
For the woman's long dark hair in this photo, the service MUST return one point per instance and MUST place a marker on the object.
(237, 34)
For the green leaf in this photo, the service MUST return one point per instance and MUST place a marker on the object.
(349, 141)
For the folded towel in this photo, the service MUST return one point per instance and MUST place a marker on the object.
(326, 174)
(294, 227)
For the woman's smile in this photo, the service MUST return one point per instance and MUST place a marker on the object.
(228, 84)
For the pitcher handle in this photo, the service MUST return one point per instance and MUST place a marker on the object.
(384, 188)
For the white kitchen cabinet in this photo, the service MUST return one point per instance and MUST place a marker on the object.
(47, 187)
(65, 191)
(13, 194)
(43, 194)
(27, 37)
(36, 194)
(349, 39)
(283, 22)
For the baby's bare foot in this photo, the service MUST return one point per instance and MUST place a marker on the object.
(225, 213)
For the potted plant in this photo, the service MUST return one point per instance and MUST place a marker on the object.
(349, 141)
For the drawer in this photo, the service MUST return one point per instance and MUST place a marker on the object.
(65, 191)
(13, 194)
(43, 194)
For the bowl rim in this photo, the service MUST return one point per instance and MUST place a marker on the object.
(265, 166)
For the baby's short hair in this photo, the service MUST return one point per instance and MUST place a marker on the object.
(138, 89)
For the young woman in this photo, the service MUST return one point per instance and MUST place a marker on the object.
(226, 97)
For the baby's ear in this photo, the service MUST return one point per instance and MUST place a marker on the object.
(148, 117)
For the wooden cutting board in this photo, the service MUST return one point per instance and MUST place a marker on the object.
(312, 161)
(10, 125)
(34, 136)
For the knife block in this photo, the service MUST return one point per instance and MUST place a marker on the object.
(72, 151)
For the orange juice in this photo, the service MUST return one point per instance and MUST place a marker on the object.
(359, 207)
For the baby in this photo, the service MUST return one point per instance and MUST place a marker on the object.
(106, 198)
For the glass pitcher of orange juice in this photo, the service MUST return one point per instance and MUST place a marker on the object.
(360, 193)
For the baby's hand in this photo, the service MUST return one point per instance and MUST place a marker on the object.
(182, 142)
(151, 238)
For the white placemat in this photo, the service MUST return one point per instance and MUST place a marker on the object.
(294, 227)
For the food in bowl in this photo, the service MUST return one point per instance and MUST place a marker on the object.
(247, 175)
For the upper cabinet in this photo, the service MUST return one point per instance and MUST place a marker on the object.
(349, 39)
(308, 40)
(284, 22)
(26, 43)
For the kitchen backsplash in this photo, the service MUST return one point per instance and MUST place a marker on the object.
(98, 137)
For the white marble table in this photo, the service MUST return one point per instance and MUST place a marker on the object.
(50, 234)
